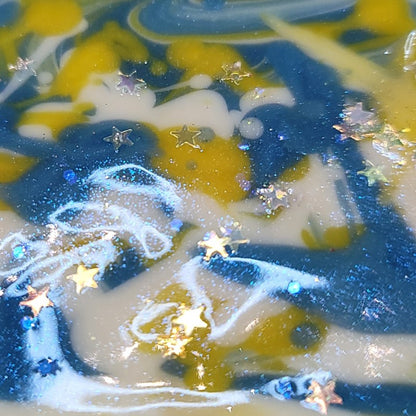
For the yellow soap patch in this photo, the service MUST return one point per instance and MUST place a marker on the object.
(332, 238)
(384, 17)
(158, 68)
(212, 169)
(196, 57)
(42, 18)
(12, 167)
(50, 17)
(100, 54)
(56, 120)
(297, 171)
(4, 206)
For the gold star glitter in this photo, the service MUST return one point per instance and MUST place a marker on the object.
(234, 73)
(190, 319)
(37, 300)
(174, 343)
(186, 136)
(84, 278)
(214, 244)
(373, 174)
(322, 396)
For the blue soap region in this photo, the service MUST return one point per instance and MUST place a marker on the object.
(373, 280)
(9, 11)
(213, 17)
(58, 177)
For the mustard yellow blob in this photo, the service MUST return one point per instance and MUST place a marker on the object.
(332, 238)
(209, 366)
(101, 53)
(196, 57)
(383, 17)
(50, 17)
(12, 167)
(273, 336)
(158, 67)
(213, 169)
(41, 18)
(56, 120)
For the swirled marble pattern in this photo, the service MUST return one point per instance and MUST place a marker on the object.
(136, 134)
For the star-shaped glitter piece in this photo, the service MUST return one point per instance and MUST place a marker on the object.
(47, 366)
(189, 319)
(129, 84)
(37, 300)
(322, 396)
(351, 132)
(390, 136)
(84, 278)
(186, 136)
(118, 138)
(373, 174)
(354, 114)
(173, 344)
(214, 245)
(22, 65)
(273, 197)
(234, 73)
(232, 230)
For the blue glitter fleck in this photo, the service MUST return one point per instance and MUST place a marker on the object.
(294, 288)
(19, 251)
(176, 224)
(284, 388)
(28, 323)
(244, 146)
(70, 176)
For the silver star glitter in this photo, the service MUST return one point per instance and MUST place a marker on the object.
(273, 197)
(22, 65)
(118, 138)
(232, 229)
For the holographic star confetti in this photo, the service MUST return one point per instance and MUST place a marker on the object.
(119, 138)
(186, 136)
(322, 396)
(390, 136)
(273, 197)
(234, 73)
(37, 300)
(129, 84)
(22, 65)
(373, 174)
(357, 124)
(84, 278)
(189, 319)
(213, 244)
(354, 114)
(173, 344)
(232, 230)
(351, 132)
